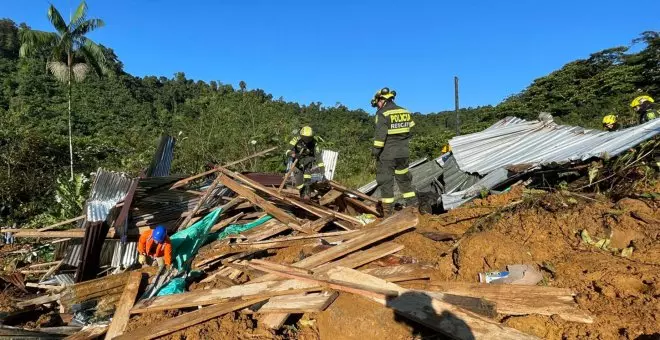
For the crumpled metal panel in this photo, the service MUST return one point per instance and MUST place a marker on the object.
(454, 179)
(161, 163)
(73, 254)
(64, 279)
(425, 178)
(455, 199)
(129, 257)
(330, 161)
(513, 141)
(109, 188)
(371, 186)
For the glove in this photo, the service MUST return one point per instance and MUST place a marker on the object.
(376, 152)
(142, 259)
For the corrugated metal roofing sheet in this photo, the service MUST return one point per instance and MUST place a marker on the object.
(109, 188)
(162, 160)
(455, 199)
(330, 162)
(129, 257)
(513, 141)
(371, 186)
(424, 179)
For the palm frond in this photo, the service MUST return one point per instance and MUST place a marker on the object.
(59, 70)
(32, 40)
(94, 56)
(79, 15)
(87, 26)
(80, 71)
(56, 19)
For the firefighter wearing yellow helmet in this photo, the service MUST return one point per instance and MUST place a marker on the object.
(610, 123)
(391, 149)
(305, 148)
(643, 105)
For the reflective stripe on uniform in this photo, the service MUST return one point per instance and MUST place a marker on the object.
(396, 111)
(294, 141)
(300, 186)
(408, 194)
(387, 200)
(401, 172)
(320, 164)
(398, 131)
(306, 176)
(379, 144)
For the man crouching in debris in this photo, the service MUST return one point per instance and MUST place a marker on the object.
(306, 157)
(155, 245)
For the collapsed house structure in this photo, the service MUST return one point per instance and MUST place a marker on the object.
(511, 149)
(244, 219)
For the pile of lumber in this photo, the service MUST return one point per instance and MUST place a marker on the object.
(344, 259)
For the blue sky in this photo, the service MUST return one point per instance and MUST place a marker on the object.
(343, 51)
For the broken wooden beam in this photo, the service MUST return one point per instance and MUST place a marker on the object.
(298, 303)
(206, 173)
(520, 299)
(356, 193)
(330, 197)
(214, 296)
(122, 313)
(361, 206)
(433, 313)
(404, 272)
(261, 202)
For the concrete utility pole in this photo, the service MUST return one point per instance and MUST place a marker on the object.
(458, 119)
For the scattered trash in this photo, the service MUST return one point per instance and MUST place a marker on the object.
(516, 274)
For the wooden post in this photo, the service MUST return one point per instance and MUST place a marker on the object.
(288, 174)
(122, 314)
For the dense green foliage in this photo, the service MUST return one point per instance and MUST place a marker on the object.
(118, 120)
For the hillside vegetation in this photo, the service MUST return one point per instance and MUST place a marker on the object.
(118, 119)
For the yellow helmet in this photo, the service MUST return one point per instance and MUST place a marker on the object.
(383, 93)
(641, 99)
(609, 119)
(306, 131)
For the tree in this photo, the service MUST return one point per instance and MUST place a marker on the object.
(71, 54)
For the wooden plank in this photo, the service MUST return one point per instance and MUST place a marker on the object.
(395, 224)
(73, 233)
(262, 203)
(213, 296)
(288, 174)
(345, 233)
(330, 197)
(400, 273)
(521, 300)
(299, 303)
(88, 333)
(226, 222)
(71, 220)
(200, 203)
(435, 314)
(351, 287)
(317, 225)
(266, 230)
(206, 173)
(400, 222)
(122, 313)
(189, 319)
(361, 206)
(363, 257)
(40, 300)
(356, 193)
(320, 212)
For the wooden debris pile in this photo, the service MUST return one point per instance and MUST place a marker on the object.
(241, 272)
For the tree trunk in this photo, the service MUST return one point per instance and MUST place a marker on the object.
(70, 65)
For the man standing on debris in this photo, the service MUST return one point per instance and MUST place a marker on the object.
(643, 105)
(305, 149)
(391, 149)
(155, 245)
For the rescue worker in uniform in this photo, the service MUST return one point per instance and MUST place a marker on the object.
(305, 148)
(391, 149)
(610, 123)
(155, 245)
(643, 105)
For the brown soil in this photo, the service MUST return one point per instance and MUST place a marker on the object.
(622, 294)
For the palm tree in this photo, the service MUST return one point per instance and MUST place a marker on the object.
(71, 55)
